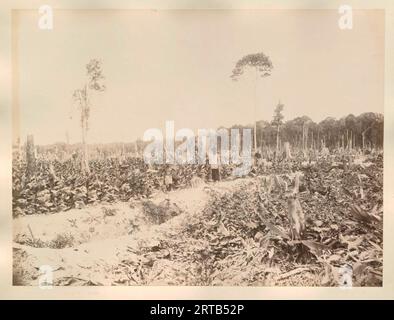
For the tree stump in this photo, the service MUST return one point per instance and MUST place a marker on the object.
(30, 156)
(287, 150)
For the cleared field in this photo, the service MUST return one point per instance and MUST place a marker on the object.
(233, 232)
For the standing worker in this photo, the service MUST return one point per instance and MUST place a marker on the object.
(215, 172)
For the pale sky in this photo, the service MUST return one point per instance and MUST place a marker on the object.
(176, 65)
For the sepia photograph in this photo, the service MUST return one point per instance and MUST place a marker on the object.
(198, 147)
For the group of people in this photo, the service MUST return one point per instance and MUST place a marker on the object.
(213, 172)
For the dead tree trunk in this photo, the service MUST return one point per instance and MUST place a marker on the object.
(30, 156)
(363, 136)
(295, 212)
(347, 139)
(287, 150)
(84, 126)
(84, 160)
(313, 142)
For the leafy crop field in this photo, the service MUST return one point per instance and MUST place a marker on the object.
(119, 226)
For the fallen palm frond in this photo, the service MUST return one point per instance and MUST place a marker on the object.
(365, 215)
(292, 273)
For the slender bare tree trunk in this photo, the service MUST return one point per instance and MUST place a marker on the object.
(351, 140)
(363, 136)
(287, 149)
(347, 139)
(30, 155)
(306, 137)
(255, 107)
(84, 124)
(261, 139)
(313, 143)
(85, 161)
(355, 141)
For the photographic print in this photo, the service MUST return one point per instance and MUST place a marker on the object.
(198, 147)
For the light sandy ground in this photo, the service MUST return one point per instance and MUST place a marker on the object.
(101, 238)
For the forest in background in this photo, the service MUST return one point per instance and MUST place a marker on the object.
(364, 131)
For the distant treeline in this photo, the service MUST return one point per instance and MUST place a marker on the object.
(363, 131)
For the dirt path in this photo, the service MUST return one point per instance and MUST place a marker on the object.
(91, 245)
